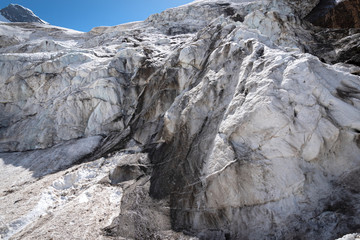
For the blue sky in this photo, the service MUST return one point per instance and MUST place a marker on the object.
(83, 15)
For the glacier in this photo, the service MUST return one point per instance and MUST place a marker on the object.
(234, 119)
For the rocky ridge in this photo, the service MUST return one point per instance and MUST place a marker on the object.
(214, 120)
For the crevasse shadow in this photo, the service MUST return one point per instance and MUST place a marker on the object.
(47, 161)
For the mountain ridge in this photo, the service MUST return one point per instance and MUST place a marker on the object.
(18, 13)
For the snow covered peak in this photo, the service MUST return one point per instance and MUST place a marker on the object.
(18, 13)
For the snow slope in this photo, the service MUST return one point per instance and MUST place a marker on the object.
(3, 19)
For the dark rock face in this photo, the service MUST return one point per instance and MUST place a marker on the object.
(338, 34)
(337, 45)
(17, 13)
(329, 14)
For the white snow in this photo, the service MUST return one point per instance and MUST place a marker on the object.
(3, 19)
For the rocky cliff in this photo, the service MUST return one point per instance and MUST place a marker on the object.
(336, 14)
(233, 119)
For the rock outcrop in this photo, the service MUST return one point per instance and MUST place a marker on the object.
(214, 120)
(336, 14)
